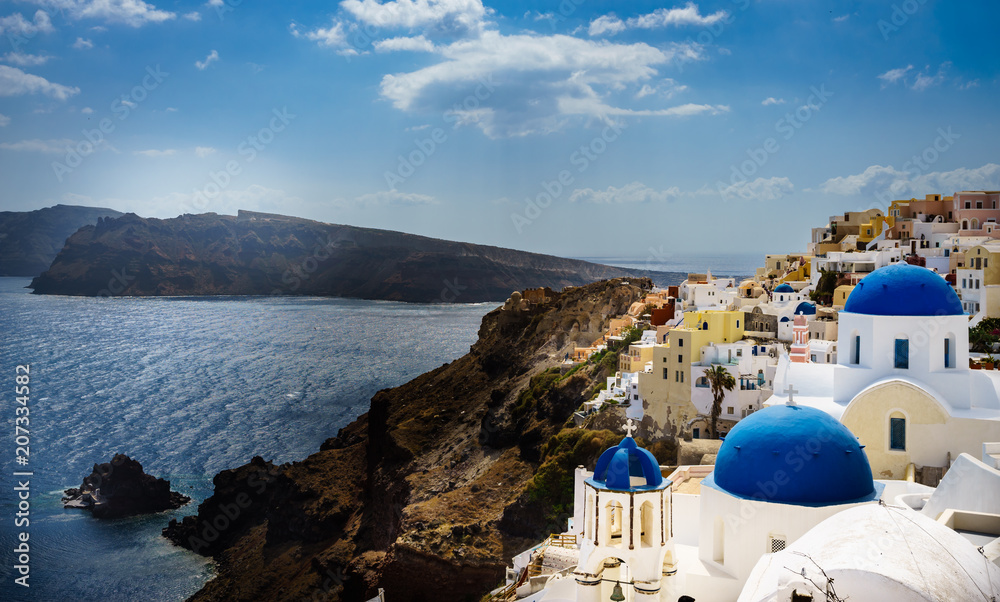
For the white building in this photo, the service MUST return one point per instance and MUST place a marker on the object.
(902, 381)
(791, 489)
(752, 367)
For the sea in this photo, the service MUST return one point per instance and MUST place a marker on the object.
(188, 387)
(657, 260)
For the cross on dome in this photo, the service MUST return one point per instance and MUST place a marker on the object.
(790, 391)
(630, 428)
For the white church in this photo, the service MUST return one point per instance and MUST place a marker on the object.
(789, 513)
(813, 497)
(902, 381)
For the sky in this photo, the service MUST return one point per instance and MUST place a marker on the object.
(577, 128)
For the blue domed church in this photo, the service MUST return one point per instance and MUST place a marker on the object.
(779, 473)
(902, 382)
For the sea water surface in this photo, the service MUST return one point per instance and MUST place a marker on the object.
(188, 387)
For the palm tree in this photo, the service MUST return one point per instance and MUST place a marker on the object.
(721, 381)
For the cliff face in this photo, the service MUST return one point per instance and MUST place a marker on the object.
(263, 254)
(431, 492)
(30, 240)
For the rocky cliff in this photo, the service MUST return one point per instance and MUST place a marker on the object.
(30, 240)
(431, 492)
(264, 254)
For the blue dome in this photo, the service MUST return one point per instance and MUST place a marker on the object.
(617, 465)
(902, 289)
(784, 288)
(793, 455)
(806, 309)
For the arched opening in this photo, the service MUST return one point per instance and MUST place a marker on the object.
(588, 523)
(647, 525)
(614, 522)
(974, 224)
(897, 431)
(704, 326)
(719, 541)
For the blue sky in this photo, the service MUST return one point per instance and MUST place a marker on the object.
(578, 128)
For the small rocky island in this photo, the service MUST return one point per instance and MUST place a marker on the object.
(121, 488)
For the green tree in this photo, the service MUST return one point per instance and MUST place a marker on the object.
(720, 381)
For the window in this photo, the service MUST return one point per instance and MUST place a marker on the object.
(701, 383)
(814, 358)
(737, 323)
(635, 397)
(729, 409)
(680, 359)
(897, 434)
(775, 543)
(665, 377)
(903, 354)
(680, 343)
(682, 377)
(947, 353)
(856, 355)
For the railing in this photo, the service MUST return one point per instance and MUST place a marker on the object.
(535, 566)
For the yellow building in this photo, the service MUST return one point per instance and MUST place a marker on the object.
(635, 358)
(840, 295)
(667, 390)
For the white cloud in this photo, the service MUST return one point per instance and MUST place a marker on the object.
(204, 151)
(130, 104)
(193, 16)
(417, 44)
(606, 24)
(171, 109)
(924, 80)
(14, 82)
(50, 147)
(879, 180)
(393, 198)
(82, 44)
(87, 110)
(134, 13)
(770, 100)
(332, 37)
(157, 153)
(761, 189)
(17, 25)
(215, 3)
(25, 60)
(841, 18)
(524, 84)
(689, 14)
(894, 75)
(4, 120)
(636, 192)
(211, 58)
(448, 17)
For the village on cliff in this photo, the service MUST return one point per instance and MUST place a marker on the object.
(847, 403)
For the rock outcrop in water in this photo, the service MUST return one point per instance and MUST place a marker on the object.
(30, 240)
(121, 488)
(431, 492)
(264, 254)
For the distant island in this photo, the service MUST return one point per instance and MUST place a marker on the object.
(265, 254)
(30, 240)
